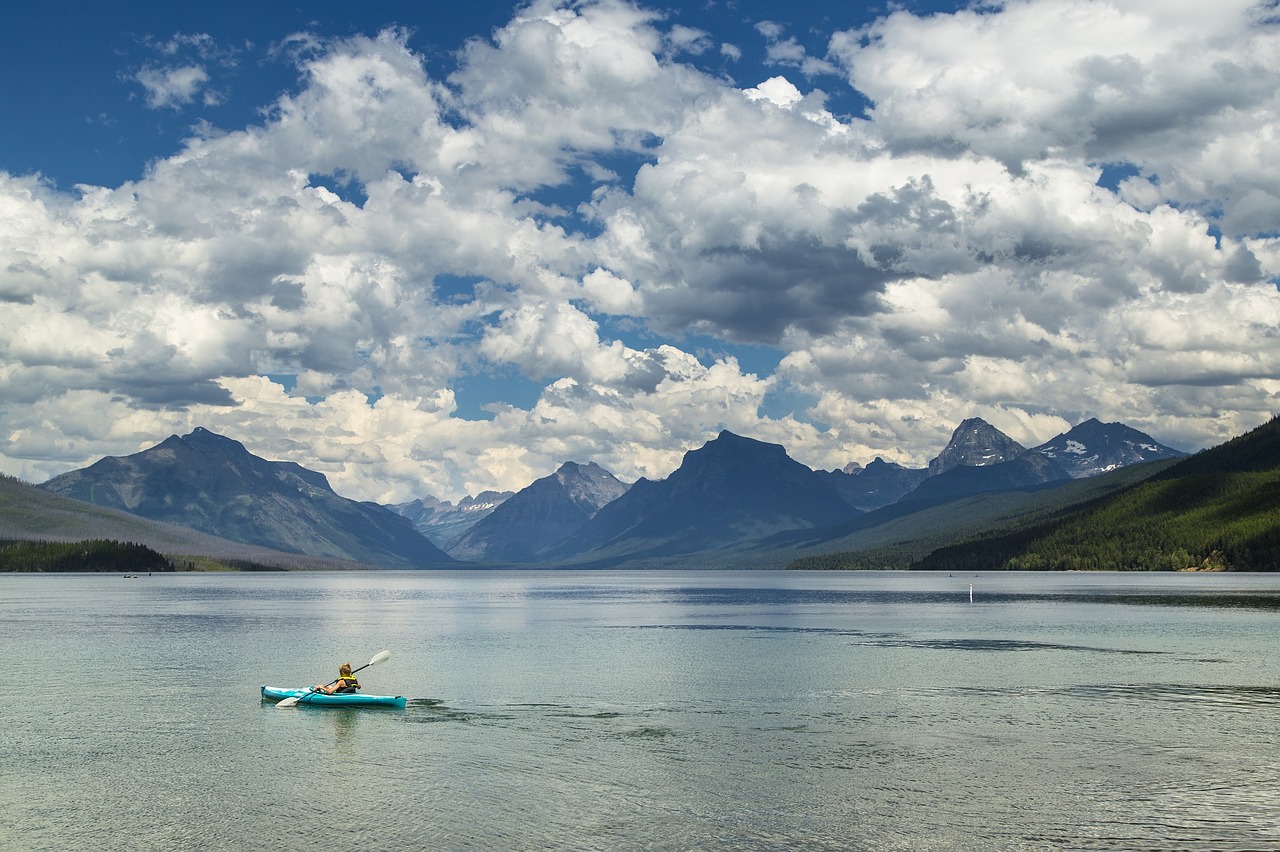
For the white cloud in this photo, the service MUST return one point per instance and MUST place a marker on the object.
(950, 255)
(779, 91)
(172, 87)
(789, 51)
(1186, 91)
(182, 73)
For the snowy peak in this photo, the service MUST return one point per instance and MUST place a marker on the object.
(1093, 447)
(976, 443)
(442, 522)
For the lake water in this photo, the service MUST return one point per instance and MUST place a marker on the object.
(653, 710)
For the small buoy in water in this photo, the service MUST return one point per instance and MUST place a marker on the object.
(971, 593)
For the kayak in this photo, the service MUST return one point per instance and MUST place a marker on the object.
(340, 699)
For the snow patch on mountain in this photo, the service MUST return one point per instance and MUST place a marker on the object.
(1093, 447)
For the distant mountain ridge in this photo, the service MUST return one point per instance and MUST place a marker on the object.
(31, 513)
(732, 501)
(981, 459)
(1029, 470)
(878, 484)
(1218, 510)
(537, 516)
(732, 488)
(211, 483)
(442, 522)
(1093, 447)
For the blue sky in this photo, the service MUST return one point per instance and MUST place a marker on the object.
(430, 249)
(71, 68)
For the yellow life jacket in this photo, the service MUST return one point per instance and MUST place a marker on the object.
(348, 683)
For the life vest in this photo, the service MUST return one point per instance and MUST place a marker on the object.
(348, 683)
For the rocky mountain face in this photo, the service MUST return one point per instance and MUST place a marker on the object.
(1218, 510)
(1093, 447)
(975, 443)
(31, 513)
(982, 459)
(211, 483)
(442, 522)
(729, 490)
(879, 484)
(1028, 471)
(540, 515)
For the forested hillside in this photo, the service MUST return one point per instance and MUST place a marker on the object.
(1218, 510)
(96, 556)
(897, 537)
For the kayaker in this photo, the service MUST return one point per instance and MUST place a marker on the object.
(346, 682)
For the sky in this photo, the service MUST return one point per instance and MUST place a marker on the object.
(436, 249)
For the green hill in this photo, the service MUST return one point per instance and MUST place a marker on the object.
(1218, 510)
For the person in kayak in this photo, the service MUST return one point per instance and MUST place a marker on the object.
(346, 682)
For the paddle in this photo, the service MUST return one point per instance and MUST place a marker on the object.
(380, 657)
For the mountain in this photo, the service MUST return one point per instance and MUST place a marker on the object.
(876, 485)
(213, 484)
(30, 513)
(733, 502)
(980, 458)
(965, 499)
(1027, 471)
(1217, 510)
(442, 522)
(900, 535)
(539, 515)
(730, 490)
(1092, 448)
(975, 443)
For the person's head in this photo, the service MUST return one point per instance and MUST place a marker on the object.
(344, 669)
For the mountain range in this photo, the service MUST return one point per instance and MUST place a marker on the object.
(733, 501)
(442, 522)
(536, 517)
(730, 489)
(1218, 510)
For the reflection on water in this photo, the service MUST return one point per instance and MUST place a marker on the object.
(898, 640)
(647, 710)
(1002, 645)
(1247, 697)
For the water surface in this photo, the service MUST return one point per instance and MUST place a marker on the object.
(648, 710)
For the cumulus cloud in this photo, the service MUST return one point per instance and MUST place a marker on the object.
(382, 235)
(1183, 91)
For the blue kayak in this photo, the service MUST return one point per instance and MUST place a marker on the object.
(341, 699)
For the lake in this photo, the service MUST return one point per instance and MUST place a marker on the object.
(644, 710)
